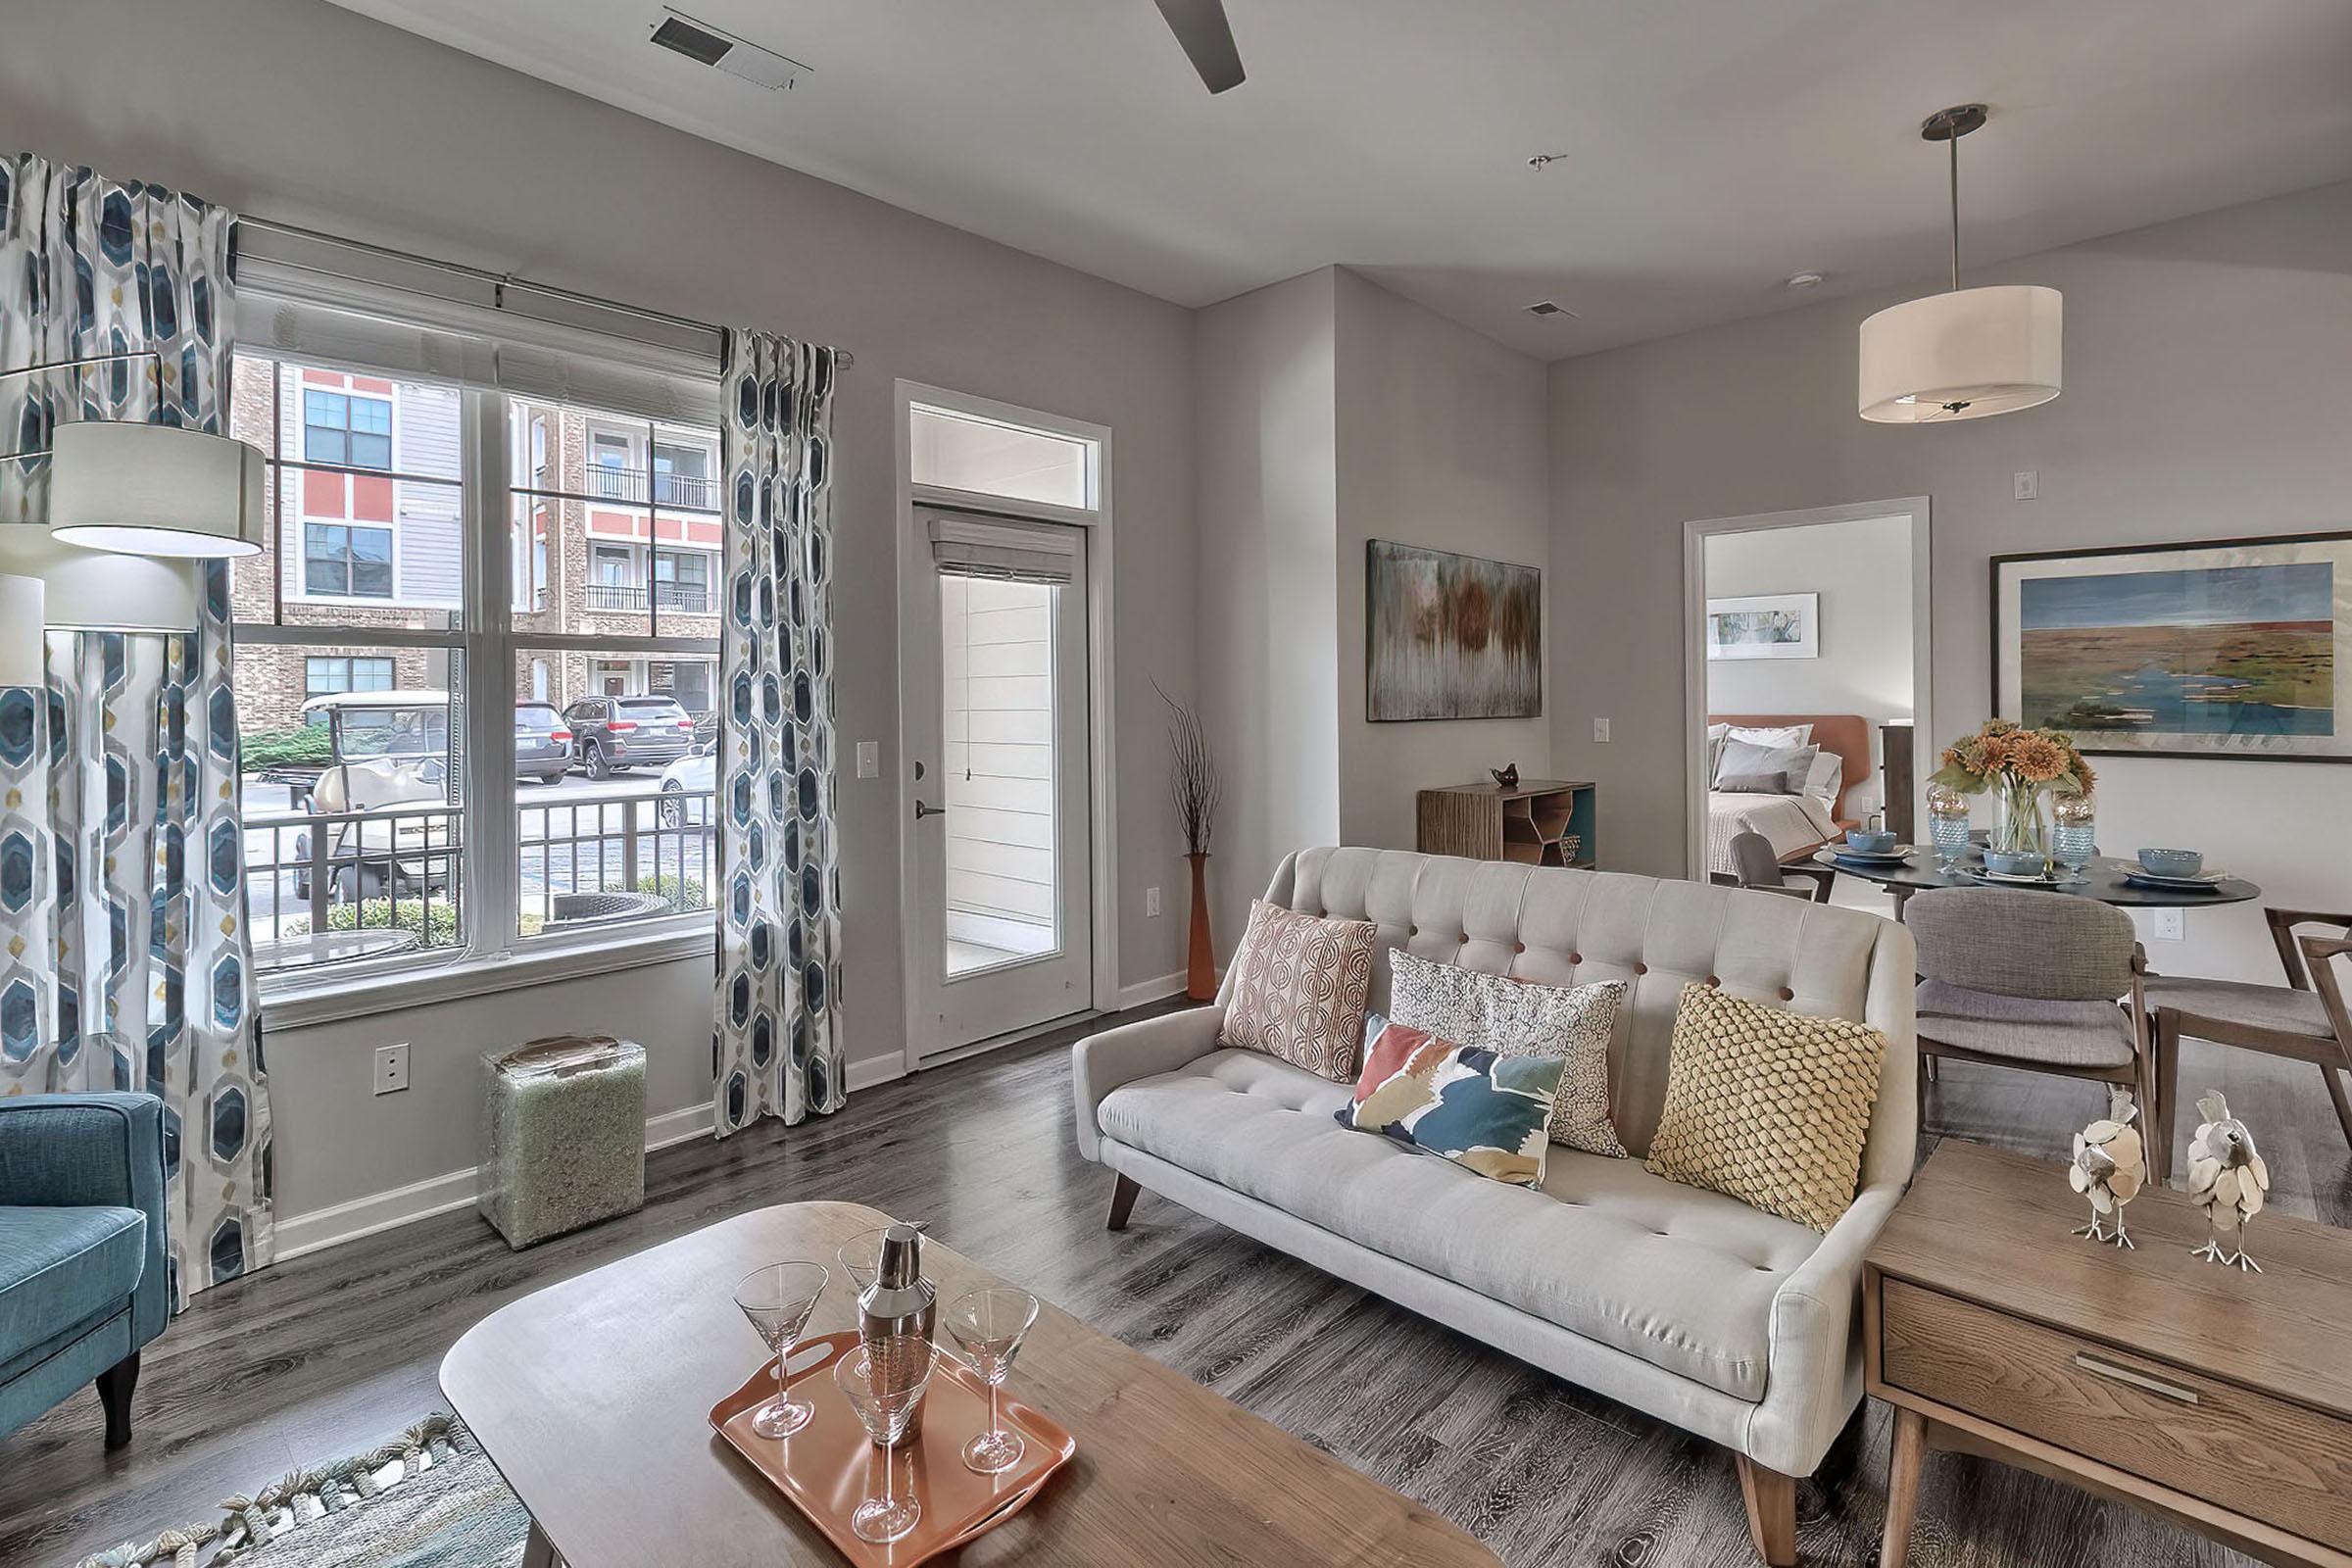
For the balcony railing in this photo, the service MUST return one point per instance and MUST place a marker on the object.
(611, 483)
(685, 598)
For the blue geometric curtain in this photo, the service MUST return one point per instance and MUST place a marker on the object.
(777, 1045)
(124, 962)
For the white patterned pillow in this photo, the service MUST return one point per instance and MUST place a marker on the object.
(1521, 1018)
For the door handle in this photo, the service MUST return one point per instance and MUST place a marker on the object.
(921, 810)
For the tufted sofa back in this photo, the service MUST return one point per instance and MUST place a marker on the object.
(1564, 927)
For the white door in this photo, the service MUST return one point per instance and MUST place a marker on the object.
(997, 659)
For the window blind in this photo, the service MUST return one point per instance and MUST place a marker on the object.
(968, 548)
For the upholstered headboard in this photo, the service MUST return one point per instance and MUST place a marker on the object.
(1847, 734)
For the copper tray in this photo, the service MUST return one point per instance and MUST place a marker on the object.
(829, 1466)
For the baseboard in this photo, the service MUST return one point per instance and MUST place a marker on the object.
(1144, 991)
(867, 1071)
(440, 1194)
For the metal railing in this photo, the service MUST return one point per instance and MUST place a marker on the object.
(610, 482)
(692, 599)
(650, 842)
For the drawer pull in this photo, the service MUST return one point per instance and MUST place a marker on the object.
(2138, 1380)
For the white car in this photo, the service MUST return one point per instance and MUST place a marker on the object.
(687, 784)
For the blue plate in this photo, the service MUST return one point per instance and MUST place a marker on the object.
(2203, 882)
(1900, 852)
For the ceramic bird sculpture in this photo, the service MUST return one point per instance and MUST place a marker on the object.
(2110, 1167)
(2227, 1179)
(1507, 777)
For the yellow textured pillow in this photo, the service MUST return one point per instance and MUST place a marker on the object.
(1767, 1106)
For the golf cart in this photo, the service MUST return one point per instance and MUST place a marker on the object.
(387, 750)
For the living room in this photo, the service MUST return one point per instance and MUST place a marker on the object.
(1101, 401)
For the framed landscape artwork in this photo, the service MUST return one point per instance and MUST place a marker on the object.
(1450, 636)
(2228, 648)
(1764, 626)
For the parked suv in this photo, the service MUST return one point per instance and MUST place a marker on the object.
(542, 743)
(610, 733)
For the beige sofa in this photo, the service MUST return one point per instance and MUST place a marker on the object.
(1724, 1321)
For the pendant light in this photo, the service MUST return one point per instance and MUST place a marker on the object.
(1967, 353)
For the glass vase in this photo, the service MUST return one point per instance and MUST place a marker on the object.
(2074, 833)
(1947, 826)
(2020, 825)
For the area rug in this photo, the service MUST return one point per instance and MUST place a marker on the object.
(426, 1499)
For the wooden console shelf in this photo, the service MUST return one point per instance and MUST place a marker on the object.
(1540, 822)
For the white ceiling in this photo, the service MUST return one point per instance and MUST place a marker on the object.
(1712, 147)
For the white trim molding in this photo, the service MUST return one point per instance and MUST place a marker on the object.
(1143, 992)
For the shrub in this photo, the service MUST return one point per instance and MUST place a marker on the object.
(380, 914)
(683, 893)
(307, 746)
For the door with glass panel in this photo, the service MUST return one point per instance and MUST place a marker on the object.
(999, 763)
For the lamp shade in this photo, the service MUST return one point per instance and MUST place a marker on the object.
(155, 490)
(1964, 355)
(87, 591)
(21, 631)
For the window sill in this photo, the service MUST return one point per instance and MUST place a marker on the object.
(303, 1003)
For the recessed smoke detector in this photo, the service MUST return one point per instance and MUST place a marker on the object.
(1800, 281)
(721, 50)
(1550, 308)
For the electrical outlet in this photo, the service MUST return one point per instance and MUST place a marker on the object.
(2171, 925)
(2026, 484)
(391, 1068)
(1600, 729)
(1151, 903)
(870, 759)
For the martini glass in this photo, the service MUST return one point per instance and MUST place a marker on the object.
(778, 1298)
(883, 1380)
(991, 1324)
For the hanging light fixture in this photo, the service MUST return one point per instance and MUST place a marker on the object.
(1967, 353)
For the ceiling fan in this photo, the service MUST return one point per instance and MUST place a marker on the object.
(1206, 37)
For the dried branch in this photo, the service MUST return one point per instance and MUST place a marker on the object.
(1193, 781)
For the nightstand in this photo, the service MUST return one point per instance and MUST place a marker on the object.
(2218, 1400)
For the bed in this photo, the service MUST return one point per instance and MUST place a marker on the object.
(1796, 825)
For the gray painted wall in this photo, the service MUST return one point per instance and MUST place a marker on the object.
(2206, 397)
(299, 110)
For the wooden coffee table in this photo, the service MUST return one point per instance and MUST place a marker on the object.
(593, 1399)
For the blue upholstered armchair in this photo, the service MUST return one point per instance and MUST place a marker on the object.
(82, 1279)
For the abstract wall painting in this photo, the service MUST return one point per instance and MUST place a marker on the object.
(1764, 626)
(2233, 648)
(1450, 636)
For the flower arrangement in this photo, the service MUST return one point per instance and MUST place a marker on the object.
(2020, 766)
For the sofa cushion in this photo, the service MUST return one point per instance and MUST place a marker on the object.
(1523, 1018)
(1680, 1278)
(60, 1265)
(1298, 990)
(1483, 1110)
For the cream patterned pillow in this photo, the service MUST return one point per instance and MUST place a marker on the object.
(1521, 1018)
(1767, 1106)
(1299, 987)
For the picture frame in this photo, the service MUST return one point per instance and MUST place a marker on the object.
(2210, 648)
(1451, 636)
(1764, 626)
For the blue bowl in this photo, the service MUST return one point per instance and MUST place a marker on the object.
(2005, 863)
(2172, 862)
(1869, 842)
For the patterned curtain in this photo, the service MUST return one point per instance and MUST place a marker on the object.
(777, 1049)
(123, 949)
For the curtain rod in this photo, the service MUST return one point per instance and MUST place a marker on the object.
(500, 283)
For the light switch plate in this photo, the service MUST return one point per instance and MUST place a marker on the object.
(870, 759)
(1600, 729)
(2026, 484)
(1151, 904)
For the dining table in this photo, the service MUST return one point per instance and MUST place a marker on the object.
(2103, 879)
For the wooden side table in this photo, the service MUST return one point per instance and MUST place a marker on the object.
(1538, 822)
(2218, 1400)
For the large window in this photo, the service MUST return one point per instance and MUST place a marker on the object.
(386, 648)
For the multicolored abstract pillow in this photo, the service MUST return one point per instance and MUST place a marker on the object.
(1299, 989)
(1487, 1112)
(1523, 1018)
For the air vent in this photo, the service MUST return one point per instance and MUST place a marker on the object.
(701, 42)
(1550, 308)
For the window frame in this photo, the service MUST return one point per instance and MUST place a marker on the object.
(349, 662)
(493, 953)
(390, 432)
(351, 596)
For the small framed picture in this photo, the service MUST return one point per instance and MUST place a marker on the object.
(1764, 626)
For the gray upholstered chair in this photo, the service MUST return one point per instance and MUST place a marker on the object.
(1754, 865)
(2304, 1020)
(2031, 980)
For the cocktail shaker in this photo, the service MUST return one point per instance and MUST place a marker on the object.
(896, 1314)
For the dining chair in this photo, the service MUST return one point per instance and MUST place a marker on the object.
(1754, 865)
(2304, 1020)
(2012, 978)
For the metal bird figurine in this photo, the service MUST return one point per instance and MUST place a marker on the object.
(2110, 1167)
(1507, 777)
(2227, 1179)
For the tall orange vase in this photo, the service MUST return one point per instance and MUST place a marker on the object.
(1201, 967)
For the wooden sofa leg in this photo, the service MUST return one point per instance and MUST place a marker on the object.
(113, 1393)
(1771, 1500)
(1122, 1199)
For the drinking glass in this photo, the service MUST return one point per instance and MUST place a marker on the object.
(990, 1325)
(2074, 833)
(1947, 826)
(883, 1381)
(778, 1297)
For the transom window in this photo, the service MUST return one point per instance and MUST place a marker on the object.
(345, 428)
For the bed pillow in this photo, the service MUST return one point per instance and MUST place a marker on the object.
(1299, 989)
(1771, 735)
(1717, 734)
(1827, 774)
(1485, 1111)
(1522, 1018)
(1749, 769)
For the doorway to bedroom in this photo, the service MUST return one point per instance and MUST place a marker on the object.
(1806, 651)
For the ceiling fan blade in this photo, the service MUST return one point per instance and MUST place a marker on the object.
(1206, 36)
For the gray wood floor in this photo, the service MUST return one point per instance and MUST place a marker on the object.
(321, 1356)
